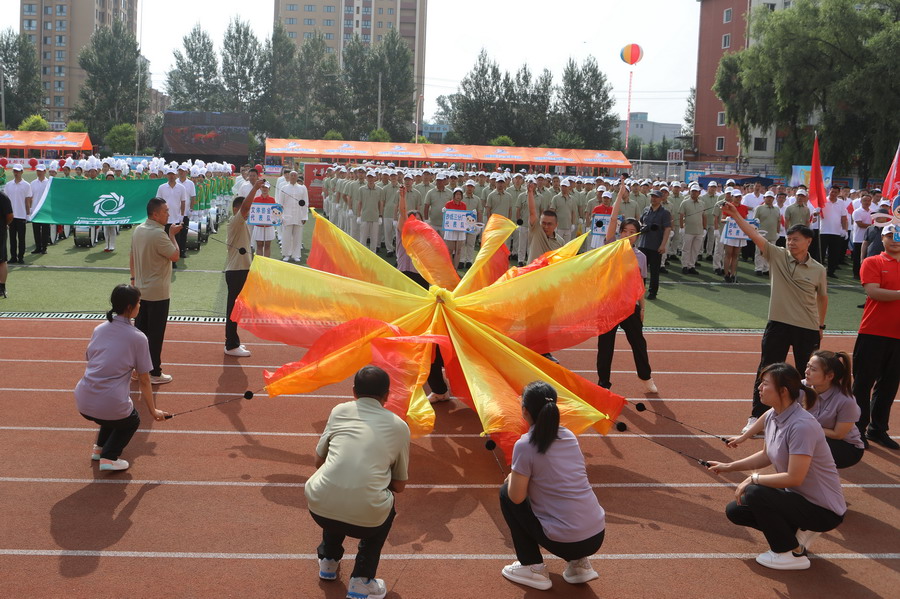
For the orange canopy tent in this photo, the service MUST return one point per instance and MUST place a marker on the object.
(361, 150)
(45, 140)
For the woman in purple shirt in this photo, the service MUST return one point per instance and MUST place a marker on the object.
(803, 498)
(116, 349)
(547, 499)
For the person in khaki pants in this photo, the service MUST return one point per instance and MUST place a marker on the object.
(692, 220)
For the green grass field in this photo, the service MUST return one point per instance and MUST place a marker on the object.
(71, 279)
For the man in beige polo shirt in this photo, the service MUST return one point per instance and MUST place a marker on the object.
(798, 302)
(361, 460)
(153, 251)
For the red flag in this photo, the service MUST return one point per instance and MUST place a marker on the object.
(817, 196)
(891, 187)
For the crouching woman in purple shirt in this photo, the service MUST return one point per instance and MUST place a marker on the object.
(116, 349)
(547, 500)
(803, 498)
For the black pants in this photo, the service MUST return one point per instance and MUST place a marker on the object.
(814, 247)
(41, 236)
(779, 514)
(436, 381)
(748, 251)
(17, 240)
(528, 536)
(776, 340)
(836, 247)
(115, 435)
(876, 363)
(606, 347)
(234, 280)
(844, 454)
(654, 260)
(151, 320)
(181, 239)
(371, 540)
(857, 250)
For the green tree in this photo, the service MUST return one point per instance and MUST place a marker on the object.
(475, 105)
(533, 105)
(333, 135)
(241, 59)
(393, 58)
(584, 104)
(120, 138)
(379, 135)
(113, 65)
(687, 129)
(195, 83)
(421, 139)
(76, 126)
(816, 63)
(34, 122)
(566, 139)
(151, 134)
(322, 102)
(502, 140)
(278, 82)
(21, 71)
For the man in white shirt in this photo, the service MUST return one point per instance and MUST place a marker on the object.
(862, 220)
(833, 229)
(183, 170)
(176, 198)
(41, 230)
(19, 193)
(294, 198)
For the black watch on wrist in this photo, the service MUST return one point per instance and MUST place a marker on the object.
(821, 327)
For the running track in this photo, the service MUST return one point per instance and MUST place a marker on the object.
(213, 504)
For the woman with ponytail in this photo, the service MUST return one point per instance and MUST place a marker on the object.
(803, 497)
(116, 349)
(828, 373)
(547, 500)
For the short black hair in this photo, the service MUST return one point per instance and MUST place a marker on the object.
(154, 205)
(237, 201)
(802, 229)
(550, 213)
(371, 381)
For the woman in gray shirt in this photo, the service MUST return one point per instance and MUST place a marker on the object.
(116, 349)
(803, 498)
(547, 499)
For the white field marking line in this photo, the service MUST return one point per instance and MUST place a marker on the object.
(318, 396)
(275, 367)
(413, 556)
(259, 484)
(255, 344)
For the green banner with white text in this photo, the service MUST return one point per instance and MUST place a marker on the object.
(94, 202)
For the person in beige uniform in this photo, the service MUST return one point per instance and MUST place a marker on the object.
(565, 206)
(153, 252)
(473, 202)
(238, 266)
(798, 213)
(769, 217)
(692, 220)
(542, 236)
(362, 460)
(435, 200)
(369, 205)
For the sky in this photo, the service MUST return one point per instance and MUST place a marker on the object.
(513, 32)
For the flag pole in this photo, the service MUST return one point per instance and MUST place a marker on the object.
(628, 115)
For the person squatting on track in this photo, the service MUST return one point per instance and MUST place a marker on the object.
(803, 498)
(876, 355)
(547, 499)
(115, 350)
(237, 268)
(6, 219)
(798, 302)
(828, 373)
(361, 462)
(153, 255)
(634, 324)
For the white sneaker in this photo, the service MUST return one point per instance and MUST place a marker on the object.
(98, 450)
(286, 259)
(119, 464)
(782, 561)
(238, 352)
(807, 537)
(650, 386)
(366, 588)
(162, 379)
(438, 397)
(750, 422)
(579, 570)
(328, 568)
(534, 576)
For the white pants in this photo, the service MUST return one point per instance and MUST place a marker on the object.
(719, 254)
(389, 232)
(690, 249)
(674, 243)
(354, 226)
(110, 234)
(292, 241)
(522, 235)
(710, 241)
(470, 246)
(565, 235)
(760, 263)
(369, 230)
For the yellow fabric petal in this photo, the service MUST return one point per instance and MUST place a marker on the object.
(488, 264)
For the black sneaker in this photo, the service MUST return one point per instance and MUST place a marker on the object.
(883, 439)
(685, 270)
(663, 270)
(468, 265)
(693, 271)
(709, 258)
(520, 264)
(3, 290)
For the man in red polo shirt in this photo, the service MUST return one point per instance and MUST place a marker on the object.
(876, 355)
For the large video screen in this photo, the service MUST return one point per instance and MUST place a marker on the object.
(206, 133)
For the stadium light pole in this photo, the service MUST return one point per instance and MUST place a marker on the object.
(2, 96)
(137, 110)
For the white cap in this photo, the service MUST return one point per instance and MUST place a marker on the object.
(471, 182)
(40, 167)
(769, 194)
(565, 183)
(802, 192)
(736, 193)
(607, 194)
(17, 167)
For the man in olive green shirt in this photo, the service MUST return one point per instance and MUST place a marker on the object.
(472, 202)
(362, 461)
(798, 213)
(369, 205)
(565, 206)
(692, 222)
(435, 200)
(710, 198)
(389, 214)
(769, 217)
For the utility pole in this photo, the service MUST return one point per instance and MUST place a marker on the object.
(2, 96)
(137, 111)
(379, 100)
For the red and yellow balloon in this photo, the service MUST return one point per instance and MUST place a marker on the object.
(632, 54)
